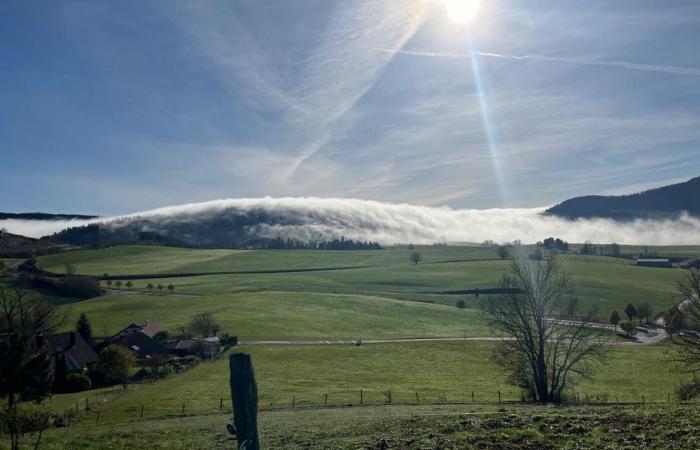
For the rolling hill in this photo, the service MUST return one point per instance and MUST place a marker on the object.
(665, 202)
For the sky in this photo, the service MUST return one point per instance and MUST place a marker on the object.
(114, 107)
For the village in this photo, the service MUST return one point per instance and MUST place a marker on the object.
(142, 351)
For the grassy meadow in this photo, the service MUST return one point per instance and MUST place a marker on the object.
(350, 295)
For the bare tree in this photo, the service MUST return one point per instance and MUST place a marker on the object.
(203, 325)
(644, 312)
(502, 252)
(546, 351)
(416, 257)
(25, 373)
(687, 339)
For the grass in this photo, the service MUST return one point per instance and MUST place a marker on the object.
(285, 315)
(124, 260)
(378, 294)
(409, 427)
(305, 374)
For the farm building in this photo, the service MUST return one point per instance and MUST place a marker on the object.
(208, 347)
(77, 352)
(143, 345)
(147, 327)
(656, 262)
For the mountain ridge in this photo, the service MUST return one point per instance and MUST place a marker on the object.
(663, 202)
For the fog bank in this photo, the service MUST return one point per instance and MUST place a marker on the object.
(322, 219)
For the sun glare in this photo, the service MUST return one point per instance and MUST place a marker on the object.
(462, 11)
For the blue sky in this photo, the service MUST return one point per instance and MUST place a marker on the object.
(113, 107)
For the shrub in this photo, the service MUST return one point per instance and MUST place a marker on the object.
(161, 336)
(77, 382)
(227, 340)
(688, 391)
(461, 304)
(627, 327)
(114, 363)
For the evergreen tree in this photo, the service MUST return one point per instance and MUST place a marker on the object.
(615, 319)
(84, 328)
(631, 312)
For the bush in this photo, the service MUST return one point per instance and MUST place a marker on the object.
(77, 382)
(688, 391)
(113, 366)
(627, 327)
(227, 340)
(461, 304)
(24, 419)
(162, 336)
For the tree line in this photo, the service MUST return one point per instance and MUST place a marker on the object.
(335, 244)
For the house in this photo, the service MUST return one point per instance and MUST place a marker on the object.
(147, 327)
(78, 353)
(207, 347)
(657, 262)
(143, 345)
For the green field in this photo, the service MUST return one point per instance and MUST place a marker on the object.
(285, 315)
(338, 295)
(407, 427)
(305, 374)
(601, 282)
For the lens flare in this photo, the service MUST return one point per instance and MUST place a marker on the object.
(462, 11)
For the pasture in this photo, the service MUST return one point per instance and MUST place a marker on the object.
(343, 295)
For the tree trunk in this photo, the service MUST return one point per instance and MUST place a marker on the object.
(244, 395)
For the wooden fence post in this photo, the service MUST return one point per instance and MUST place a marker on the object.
(294, 399)
(417, 399)
(473, 399)
(97, 420)
(221, 404)
(244, 394)
(325, 399)
(499, 397)
(142, 406)
(361, 397)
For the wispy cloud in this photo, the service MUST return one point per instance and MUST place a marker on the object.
(671, 70)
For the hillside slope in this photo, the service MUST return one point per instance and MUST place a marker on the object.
(43, 216)
(664, 202)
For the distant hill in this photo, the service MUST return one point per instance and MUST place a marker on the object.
(16, 246)
(43, 216)
(665, 202)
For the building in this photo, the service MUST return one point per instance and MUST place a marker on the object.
(657, 262)
(78, 353)
(147, 327)
(207, 347)
(143, 345)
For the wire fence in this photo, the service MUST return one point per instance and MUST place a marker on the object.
(97, 410)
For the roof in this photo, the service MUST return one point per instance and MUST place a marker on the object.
(146, 326)
(77, 355)
(142, 344)
(208, 344)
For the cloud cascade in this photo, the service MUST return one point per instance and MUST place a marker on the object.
(326, 218)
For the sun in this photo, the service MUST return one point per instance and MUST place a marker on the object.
(462, 11)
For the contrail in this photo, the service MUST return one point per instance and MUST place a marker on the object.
(672, 70)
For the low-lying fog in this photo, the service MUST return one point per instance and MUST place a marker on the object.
(320, 219)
